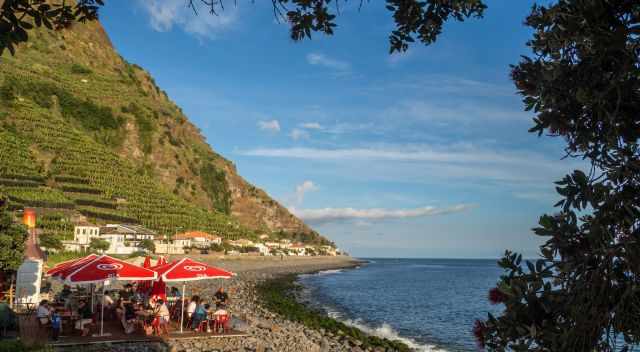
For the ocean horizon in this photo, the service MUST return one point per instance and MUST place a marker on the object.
(428, 303)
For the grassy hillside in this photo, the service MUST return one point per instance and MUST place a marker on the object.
(84, 133)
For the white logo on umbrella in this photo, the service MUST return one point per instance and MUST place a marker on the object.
(113, 266)
(194, 268)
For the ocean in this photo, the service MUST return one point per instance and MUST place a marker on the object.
(430, 304)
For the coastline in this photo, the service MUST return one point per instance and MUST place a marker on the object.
(267, 330)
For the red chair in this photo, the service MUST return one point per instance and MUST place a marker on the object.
(221, 321)
(204, 326)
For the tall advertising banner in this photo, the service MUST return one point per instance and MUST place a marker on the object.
(28, 277)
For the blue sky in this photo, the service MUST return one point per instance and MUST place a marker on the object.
(424, 154)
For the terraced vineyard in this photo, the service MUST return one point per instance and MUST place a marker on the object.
(86, 135)
(89, 178)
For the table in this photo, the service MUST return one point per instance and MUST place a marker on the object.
(69, 317)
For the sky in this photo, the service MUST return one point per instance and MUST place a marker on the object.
(421, 154)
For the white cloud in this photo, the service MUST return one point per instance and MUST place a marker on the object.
(273, 125)
(325, 215)
(462, 153)
(165, 14)
(325, 61)
(453, 112)
(304, 187)
(311, 126)
(427, 163)
(297, 134)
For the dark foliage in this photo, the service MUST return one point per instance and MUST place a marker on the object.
(89, 115)
(98, 244)
(12, 238)
(80, 70)
(215, 184)
(19, 16)
(583, 83)
(414, 19)
(50, 241)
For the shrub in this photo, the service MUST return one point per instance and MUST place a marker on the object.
(80, 69)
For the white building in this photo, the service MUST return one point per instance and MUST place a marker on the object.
(263, 249)
(242, 243)
(298, 249)
(172, 247)
(82, 235)
(197, 239)
(122, 238)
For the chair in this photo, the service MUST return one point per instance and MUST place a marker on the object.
(221, 321)
(203, 326)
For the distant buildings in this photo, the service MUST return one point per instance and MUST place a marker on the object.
(127, 239)
(197, 239)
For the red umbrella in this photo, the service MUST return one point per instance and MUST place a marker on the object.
(161, 261)
(63, 269)
(187, 269)
(104, 268)
(144, 286)
(159, 291)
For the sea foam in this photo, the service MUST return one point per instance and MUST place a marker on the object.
(386, 331)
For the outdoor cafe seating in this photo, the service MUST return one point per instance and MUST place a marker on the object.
(82, 276)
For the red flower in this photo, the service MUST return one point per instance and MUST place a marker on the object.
(479, 331)
(496, 296)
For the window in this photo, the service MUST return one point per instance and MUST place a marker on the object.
(84, 231)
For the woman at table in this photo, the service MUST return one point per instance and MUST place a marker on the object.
(120, 309)
(162, 315)
(198, 316)
(44, 312)
(86, 317)
(191, 308)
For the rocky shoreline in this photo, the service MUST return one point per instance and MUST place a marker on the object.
(267, 330)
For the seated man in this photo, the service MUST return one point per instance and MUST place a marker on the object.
(127, 293)
(44, 312)
(222, 298)
(86, 317)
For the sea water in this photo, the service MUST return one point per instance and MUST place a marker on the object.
(430, 304)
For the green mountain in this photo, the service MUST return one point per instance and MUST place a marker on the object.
(86, 135)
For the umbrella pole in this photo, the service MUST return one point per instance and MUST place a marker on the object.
(92, 292)
(102, 310)
(182, 310)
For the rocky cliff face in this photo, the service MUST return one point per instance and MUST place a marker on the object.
(130, 117)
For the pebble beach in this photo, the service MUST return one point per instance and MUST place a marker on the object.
(266, 330)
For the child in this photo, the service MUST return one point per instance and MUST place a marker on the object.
(56, 324)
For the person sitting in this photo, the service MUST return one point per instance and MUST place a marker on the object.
(222, 298)
(86, 317)
(44, 312)
(127, 293)
(109, 305)
(56, 324)
(198, 316)
(175, 293)
(220, 318)
(129, 320)
(162, 315)
(191, 308)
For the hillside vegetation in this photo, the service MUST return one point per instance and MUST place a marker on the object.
(86, 135)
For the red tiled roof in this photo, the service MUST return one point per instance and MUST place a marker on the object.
(195, 234)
